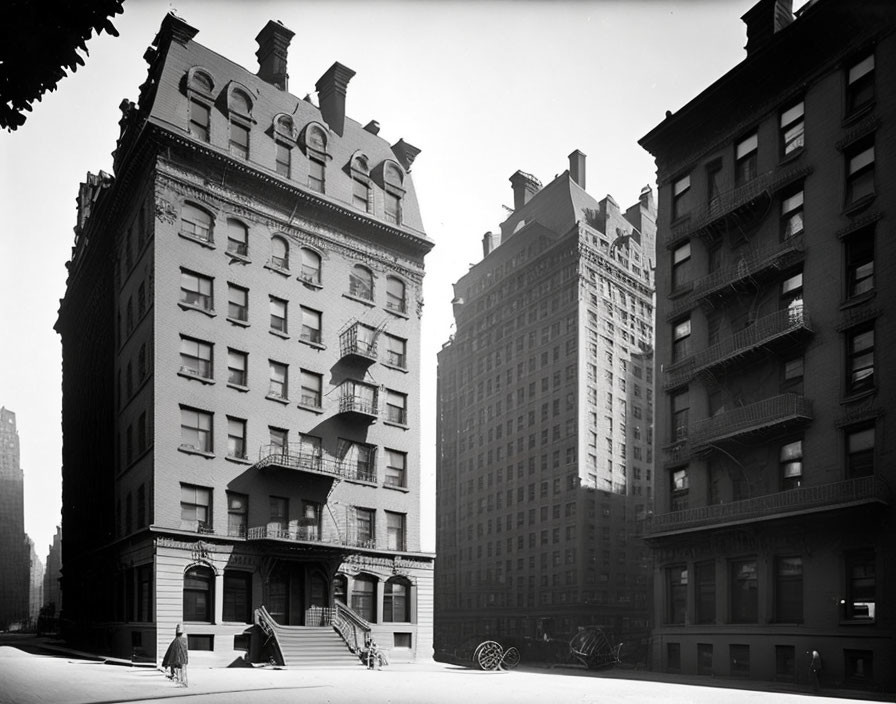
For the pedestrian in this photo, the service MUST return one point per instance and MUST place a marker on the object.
(177, 656)
(815, 670)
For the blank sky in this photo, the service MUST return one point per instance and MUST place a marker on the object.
(483, 89)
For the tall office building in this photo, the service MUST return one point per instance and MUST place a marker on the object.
(545, 421)
(52, 594)
(14, 548)
(241, 371)
(773, 531)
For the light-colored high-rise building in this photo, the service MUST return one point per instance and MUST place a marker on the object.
(14, 549)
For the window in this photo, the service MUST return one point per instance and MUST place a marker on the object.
(785, 662)
(746, 160)
(360, 283)
(360, 194)
(714, 180)
(396, 468)
(237, 514)
(681, 202)
(792, 215)
(283, 159)
(704, 659)
(739, 660)
(744, 598)
(860, 451)
(679, 489)
(279, 253)
(681, 340)
(357, 460)
(196, 358)
(396, 351)
(195, 223)
(236, 437)
(200, 119)
(859, 173)
(681, 266)
(312, 389)
(195, 429)
(673, 657)
(237, 303)
(860, 263)
(237, 363)
(789, 590)
(393, 192)
(364, 597)
(858, 668)
(677, 594)
(311, 450)
(860, 85)
(860, 359)
(365, 526)
(237, 238)
(237, 596)
(195, 508)
(792, 296)
(793, 371)
(395, 295)
(680, 403)
(309, 525)
(278, 507)
(861, 589)
(279, 380)
(705, 591)
(196, 290)
(396, 407)
(198, 594)
(239, 139)
(311, 326)
(790, 461)
(311, 266)
(396, 600)
(316, 175)
(792, 132)
(278, 308)
(395, 531)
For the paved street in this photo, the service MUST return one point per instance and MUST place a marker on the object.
(30, 679)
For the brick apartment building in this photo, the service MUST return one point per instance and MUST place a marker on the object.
(545, 420)
(773, 531)
(241, 370)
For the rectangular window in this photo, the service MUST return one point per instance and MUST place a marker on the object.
(785, 662)
(677, 594)
(312, 389)
(680, 403)
(237, 514)
(278, 522)
(396, 351)
(237, 238)
(310, 450)
(746, 160)
(860, 85)
(739, 660)
(365, 526)
(714, 180)
(237, 368)
(237, 303)
(792, 215)
(679, 485)
(744, 592)
(278, 309)
(279, 380)
(705, 591)
(360, 194)
(860, 263)
(860, 452)
(792, 373)
(858, 668)
(861, 586)
(396, 407)
(681, 266)
(396, 468)
(199, 120)
(196, 290)
(311, 264)
(395, 531)
(859, 173)
(673, 657)
(236, 438)
(239, 140)
(195, 508)
(392, 207)
(681, 202)
(704, 659)
(316, 175)
(789, 590)
(860, 359)
(195, 429)
(358, 460)
(681, 340)
(790, 462)
(237, 596)
(196, 358)
(284, 159)
(144, 593)
(792, 137)
(311, 326)
(792, 297)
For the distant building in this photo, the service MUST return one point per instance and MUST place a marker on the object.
(545, 421)
(52, 593)
(14, 550)
(241, 372)
(773, 531)
(36, 584)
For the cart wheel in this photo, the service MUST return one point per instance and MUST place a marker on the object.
(511, 658)
(488, 655)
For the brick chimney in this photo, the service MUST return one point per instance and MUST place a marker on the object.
(524, 187)
(765, 19)
(273, 41)
(577, 168)
(331, 95)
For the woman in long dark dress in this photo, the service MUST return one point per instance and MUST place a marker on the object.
(177, 656)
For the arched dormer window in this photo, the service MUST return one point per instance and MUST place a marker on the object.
(199, 594)
(284, 140)
(237, 238)
(239, 111)
(200, 89)
(196, 223)
(390, 177)
(314, 142)
(396, 295)
(359, 168)
(279, 252)
(311, 266)
(397, 600)
(360, 283)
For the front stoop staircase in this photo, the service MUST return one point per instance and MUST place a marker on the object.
(305, 647)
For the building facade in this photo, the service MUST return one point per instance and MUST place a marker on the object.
(52, 594)
(545, 421)
(14, 545)
(773, 530)
(241, 356)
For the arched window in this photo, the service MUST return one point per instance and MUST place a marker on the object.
(199, 594)
(314, 140)
(311, 266)
(397, 600)
(340, 588)
(239, 107)
(196, 223)
(199, 91)
(396, 296)
(360, 283)
(279, 253)
(284, 141)
(237, 238)
(360, 171)
(393, 192)
(364, 597)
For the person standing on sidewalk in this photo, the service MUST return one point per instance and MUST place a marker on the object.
(815, 670)
(177, 656)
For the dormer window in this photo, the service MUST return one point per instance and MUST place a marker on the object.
(314, 141)
(360, 172)
(393, 179)
(284, 140)
(239, 107)
(200, 87)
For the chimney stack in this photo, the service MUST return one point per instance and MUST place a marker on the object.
(577, 168)
(331, 95)
(490, 241)
(524, 187)
(273, 41)
(765, 19)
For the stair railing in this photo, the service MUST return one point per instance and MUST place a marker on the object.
(268, 625)
(350, 625)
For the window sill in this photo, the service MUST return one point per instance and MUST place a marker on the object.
(364, 301)
(680, 220)
(364, 482)
(238, 387)
(682, 290)
(235, 257)
(858, 396)
(395, 487)
(238, 322)
(278, 399)
(858, 206)
(858, 621)
(858, 114)
(858, 300)
(398, 313)
(238, 460)
(210, 312)
(403, 426)
(278, 333)
(313, 409)
(315, 345)
(792, 156)
(309, 283)
(196, 377)
(403, 370)
(194, 451)
(208, 244)
(277, 269)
